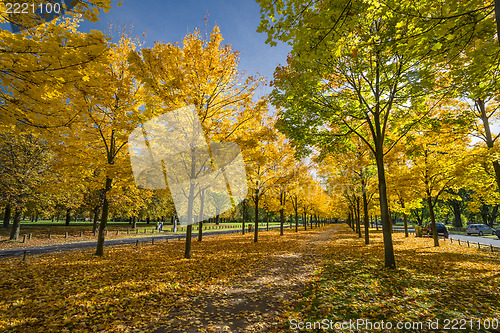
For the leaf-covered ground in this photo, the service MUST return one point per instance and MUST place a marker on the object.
(450, 285)
(230, 284)
(234, 285)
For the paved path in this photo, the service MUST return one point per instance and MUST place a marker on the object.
(110, 242)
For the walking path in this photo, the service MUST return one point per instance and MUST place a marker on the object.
(255, 302)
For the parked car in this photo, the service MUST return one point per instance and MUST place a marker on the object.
(498, 233)
(440, 228)
(480, 229)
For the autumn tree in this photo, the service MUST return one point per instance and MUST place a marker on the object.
(107, 104)
(353, 69)
(299, 184)
(437, 156)
(402, 183)
(40, 64)
(268, 165)
(201, 72)
(25, 166)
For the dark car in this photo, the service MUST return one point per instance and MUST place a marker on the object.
(498, 233)
(440, 228)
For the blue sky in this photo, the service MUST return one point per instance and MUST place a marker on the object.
(170, 20)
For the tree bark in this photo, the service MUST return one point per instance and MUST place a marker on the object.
(404, 218)
(365, 212)
(95, 224)
(16, 225)
(489, 139)
(256, 231)
(358, 217)
(200, 225)
(282, 221)
(200, 231)
(296, 216)
(267, 220)
(6, 216)
(433, 221)
(406, 225)
(189, 231)
(104, 218)
(390, 260)
(243, 207)
(282, 213)
(68, 216)
(493, 216)
(457, 213)
(305, 221)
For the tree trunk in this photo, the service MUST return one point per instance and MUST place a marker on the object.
(305, 221)
(493, 216)
(366, 218)
(189, 231)
(390, 260)
(95, 224)
(200, 231)
(267, 220)
(68, 216)
(243, 207)
(358, 217)
(406, 225)
(433, 221)
(457, 214)
(104, 218)
(282, 221)
(282, 211)
(16, 225)
(200, 225)
(296, 216)
(6, 216)
(256, 231)
(391, 220)
(404, 218)
(134, 222)
(489, 139)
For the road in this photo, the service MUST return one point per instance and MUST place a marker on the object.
(476, 239)
(111, 242)
(464, 238)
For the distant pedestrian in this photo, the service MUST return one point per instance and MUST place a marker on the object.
(160, 226)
